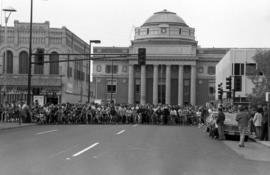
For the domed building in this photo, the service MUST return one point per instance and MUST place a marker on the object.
(177, 71)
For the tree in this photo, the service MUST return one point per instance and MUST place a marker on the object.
(261, 77)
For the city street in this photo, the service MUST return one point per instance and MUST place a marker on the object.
(125, 150)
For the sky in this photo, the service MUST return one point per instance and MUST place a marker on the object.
(217, 23)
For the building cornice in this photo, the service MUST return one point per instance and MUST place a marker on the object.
(164, 41)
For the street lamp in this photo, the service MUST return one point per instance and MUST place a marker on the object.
(7, 12)
(30, 57)
(89, 67)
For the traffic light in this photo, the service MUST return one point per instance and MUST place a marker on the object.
(220, 91)
(39, 57)
(141, 56)
(229, 83)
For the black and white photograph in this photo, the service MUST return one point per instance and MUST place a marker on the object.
(134, 87)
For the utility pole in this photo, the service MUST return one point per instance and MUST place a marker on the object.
(30, 57)
(89, 69)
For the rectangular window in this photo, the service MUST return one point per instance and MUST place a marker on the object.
(211, 70)
(211, 90)
(242, 69)
(180, 31)
(238, 83)
(111, 86)
(147, 31)
(239, 69)
(137, 88)
(236, 69)
(108, 69)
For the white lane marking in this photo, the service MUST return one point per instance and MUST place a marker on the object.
(67, 158)
(86, 149)
(45, 132)
(63, 151)
(120, 132)
(135, 125)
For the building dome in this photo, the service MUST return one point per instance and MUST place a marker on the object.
(164, 25)
(165, 17)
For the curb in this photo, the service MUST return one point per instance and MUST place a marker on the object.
(18, 126)
(259, 142)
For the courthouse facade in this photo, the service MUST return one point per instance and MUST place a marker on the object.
(52, 82)
(177, 70)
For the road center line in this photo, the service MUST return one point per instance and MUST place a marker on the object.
(84, 150)
(135, 125)
(45, 132)
(120, 132)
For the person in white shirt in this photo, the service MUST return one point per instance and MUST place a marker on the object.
(257, 120)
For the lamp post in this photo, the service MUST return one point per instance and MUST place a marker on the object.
(89, 68)
(30, 56)
(7, 12)
(112, 83)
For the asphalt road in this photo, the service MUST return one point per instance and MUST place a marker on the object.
(125, 150)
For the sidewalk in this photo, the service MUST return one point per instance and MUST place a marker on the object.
(14, 125)
(265, 143)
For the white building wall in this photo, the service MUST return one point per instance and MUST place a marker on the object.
(224, 69)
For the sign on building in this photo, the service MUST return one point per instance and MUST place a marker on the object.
(40, 99)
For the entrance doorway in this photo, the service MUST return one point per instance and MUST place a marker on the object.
(52, 100)
(161, 93)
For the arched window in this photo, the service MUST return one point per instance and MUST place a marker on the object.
(54, 66)
(23, 62)
(9, 61)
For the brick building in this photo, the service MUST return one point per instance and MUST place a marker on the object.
(51, 82)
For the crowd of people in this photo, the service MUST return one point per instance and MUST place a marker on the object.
(104, 114)
(256, 119)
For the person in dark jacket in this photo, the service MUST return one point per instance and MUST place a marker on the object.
(166, 114)
(242, 118)
(220, 123)
(264, 135)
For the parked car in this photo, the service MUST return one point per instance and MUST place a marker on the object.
(231, 126)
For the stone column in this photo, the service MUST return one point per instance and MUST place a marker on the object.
(155, 85)
(130, 84)
(180, 85)
(143, 84)
(168, 84)
(193, 85)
